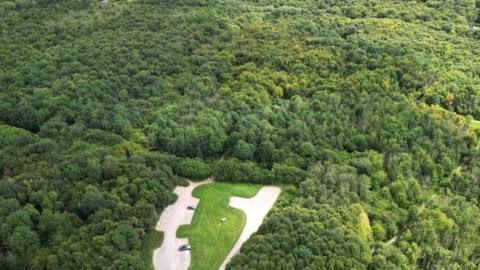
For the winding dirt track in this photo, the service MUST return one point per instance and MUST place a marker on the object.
(256, 209)
(167, 257)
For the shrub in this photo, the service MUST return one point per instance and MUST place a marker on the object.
(194, 169)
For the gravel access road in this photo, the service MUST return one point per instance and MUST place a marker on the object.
(255, 209)
(168, 257)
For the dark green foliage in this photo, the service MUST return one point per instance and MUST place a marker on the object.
(243, 150)
(193, 169)
(367, 103)
(234, 170)
(321, 237)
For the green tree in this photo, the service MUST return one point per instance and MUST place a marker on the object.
(243, 150)
(24, 242)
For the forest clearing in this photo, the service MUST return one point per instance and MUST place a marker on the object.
(216, 218)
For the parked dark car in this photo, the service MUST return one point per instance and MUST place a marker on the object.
(184, 247)
(191, 207)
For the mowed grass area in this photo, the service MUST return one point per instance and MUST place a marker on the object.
(210, 239)
(475, 124)
(153, 240)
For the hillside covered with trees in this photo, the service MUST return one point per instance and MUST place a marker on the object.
(364, 109)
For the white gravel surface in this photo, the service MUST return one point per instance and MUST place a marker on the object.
(167, 257)
(256, 209)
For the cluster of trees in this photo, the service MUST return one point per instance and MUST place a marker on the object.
(65, 203)
(317, 237)
(348, 102)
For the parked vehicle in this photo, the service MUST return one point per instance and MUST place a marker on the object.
(184, 247)
(191, 207)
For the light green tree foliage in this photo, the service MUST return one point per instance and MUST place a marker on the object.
(370, 103)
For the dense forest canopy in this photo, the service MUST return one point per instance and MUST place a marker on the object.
(365, 109)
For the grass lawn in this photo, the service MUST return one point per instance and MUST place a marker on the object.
(210, 239)
(153, 240)
(475, 124)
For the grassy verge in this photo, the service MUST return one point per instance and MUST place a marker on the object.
(211, 240)
(475, 124)
(153, 240)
